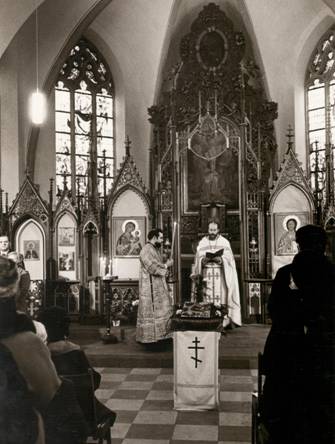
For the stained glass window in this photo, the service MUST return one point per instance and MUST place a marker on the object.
(84, 121)
(320, 109)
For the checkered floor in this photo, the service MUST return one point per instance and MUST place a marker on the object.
(143, 400)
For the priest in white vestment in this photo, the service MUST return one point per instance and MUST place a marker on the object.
(214, 261)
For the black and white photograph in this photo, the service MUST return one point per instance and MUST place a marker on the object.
(173, 161)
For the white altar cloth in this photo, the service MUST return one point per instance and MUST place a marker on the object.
(196, 370)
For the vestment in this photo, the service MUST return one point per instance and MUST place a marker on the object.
(221, 279)
(155, 305)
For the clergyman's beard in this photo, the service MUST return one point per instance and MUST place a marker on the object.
(212, 236)
(158, 244)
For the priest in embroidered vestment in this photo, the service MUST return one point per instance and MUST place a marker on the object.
(155, 304)
(214, 261)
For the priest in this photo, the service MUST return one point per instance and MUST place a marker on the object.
(155, 304)
(214, 262)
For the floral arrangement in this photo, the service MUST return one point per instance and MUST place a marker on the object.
(201, 309)
(123, 310)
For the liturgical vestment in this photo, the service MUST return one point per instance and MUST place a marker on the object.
(221, 279)
(155, 304)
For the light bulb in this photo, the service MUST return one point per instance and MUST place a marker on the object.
(38, 107)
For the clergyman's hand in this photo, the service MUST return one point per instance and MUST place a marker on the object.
(169, 263)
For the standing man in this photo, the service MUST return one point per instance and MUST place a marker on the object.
(214, 261)
(4, 245)
(155, 305)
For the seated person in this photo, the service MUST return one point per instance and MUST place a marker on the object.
(69, 358)
(22, 292)
(25, 359)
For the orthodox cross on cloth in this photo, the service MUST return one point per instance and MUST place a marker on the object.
(196, 348)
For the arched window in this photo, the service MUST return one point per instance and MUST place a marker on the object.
(84, 122)
(320, 101)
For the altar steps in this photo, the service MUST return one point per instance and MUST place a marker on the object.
(238, 348)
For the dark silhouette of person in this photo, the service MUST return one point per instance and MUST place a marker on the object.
(299, 389)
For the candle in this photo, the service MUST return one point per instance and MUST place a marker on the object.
(173, 237)
(101, 266)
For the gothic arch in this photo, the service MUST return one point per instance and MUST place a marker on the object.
(53, 71)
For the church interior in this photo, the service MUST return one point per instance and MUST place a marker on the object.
(119, 116)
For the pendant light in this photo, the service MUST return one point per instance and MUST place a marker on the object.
(38, 105)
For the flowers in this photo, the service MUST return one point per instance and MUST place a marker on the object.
(116, 307)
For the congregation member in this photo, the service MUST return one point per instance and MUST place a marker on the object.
(23, 282)
(155, 304)
(215, 263)
(68, 357)
(22, 292)
(298, 405)
(4, 245)
(35, 405)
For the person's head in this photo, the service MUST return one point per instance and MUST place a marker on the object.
(56, 321)
(16, 257)
(312, 238)
(213, 230)
(155, 237)
(31, 245)
(10, 321)
(4, 243)
(291, 224)
(130, 226)
(8, 277)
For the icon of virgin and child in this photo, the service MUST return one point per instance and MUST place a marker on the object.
(128, 243)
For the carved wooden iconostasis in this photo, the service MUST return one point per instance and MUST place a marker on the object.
(214, 148)
(291, 205)
(75, 247)
(213, 155)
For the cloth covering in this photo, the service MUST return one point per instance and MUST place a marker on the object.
(196, 384)
(155, 304)
(222, 282)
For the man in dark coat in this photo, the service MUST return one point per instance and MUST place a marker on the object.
(298, 401)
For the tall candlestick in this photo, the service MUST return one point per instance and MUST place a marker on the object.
(173, 237)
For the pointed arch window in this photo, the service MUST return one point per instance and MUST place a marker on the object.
(320, 113)
(84, 121)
